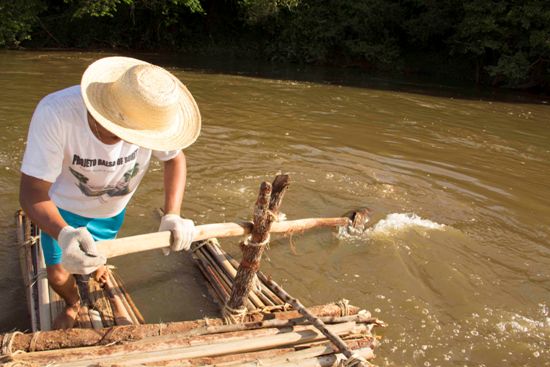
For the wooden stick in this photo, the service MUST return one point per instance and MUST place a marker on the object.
(101, 304)
(318, 323)
(26, 265)
(276, 300)
(252, 255)
(270, 357)
(128, 298)
(43, 292)
(84, 337)
(229, 280)
(174, 347)
(125, 304)
(95, 319)
(157, 240)
(84, 320)
(121, 316)
(219, 257)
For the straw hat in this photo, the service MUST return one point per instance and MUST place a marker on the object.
(141, 103)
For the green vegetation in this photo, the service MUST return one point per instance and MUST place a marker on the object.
(503, 43)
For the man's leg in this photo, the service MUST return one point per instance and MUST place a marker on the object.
(64, 284)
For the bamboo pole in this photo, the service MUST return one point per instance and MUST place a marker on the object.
(318, 323)
(120, 313)
(128, 298)
(221, 258)
(84, 320)
(95, 319)
(27, 268)
(126, 305)
(271, 357)
(73, 338)
(162, 349)
(43, 292)
(229, 280)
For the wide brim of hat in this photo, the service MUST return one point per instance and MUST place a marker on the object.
(98, 98)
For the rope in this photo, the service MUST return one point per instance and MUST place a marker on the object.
(32, 240)
(7, 342)
(161, 328)
(248, 241)
(196, 246)
(344, 307)
(232, 315)
(34, 340)
(354, 361)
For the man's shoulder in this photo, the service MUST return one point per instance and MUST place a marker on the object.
(70, 97)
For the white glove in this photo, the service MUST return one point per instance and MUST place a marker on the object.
(80, 254)
(183, 232)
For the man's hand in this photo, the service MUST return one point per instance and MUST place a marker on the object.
(80, 254)
(183, 232)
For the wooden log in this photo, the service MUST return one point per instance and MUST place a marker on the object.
(27, 267)
(275, 299)
(158, 240)
(72, 338)
(318, 323)
(252, 254)
(175, 347)
(270, 357)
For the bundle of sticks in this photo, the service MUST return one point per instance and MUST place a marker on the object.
(220, 269)
(287, 339)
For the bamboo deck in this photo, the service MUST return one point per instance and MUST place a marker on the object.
(112, 331)
(108, 306)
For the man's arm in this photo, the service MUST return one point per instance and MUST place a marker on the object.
(175, 171)
(35, 201)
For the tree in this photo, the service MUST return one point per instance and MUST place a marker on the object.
(17, 19)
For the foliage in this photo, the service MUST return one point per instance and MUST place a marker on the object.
(512, 38)
(17, 19)
(502, 42)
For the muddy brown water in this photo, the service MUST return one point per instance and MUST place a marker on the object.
(457, 260)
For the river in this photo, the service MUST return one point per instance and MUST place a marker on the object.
(457, 258)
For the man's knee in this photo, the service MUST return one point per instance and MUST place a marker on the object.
(57, 275)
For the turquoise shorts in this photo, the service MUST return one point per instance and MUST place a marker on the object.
(100, 228)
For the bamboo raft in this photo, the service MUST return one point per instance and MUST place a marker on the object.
(273, 328)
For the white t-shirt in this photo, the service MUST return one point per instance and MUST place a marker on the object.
(90, 178)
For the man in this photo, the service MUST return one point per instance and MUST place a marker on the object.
(88, 148)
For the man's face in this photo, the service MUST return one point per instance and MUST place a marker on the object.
(102, 133)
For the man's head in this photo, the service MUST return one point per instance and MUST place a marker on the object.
(141, 103)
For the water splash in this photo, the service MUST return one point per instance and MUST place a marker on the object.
(393, 223)
(401, 221)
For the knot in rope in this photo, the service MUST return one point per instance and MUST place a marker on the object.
(233, 315)
(354, 361)
(32, 240)
(248, 241)
(7, 342)
(344, 307)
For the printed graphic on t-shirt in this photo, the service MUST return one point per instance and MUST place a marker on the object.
(121, 188)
